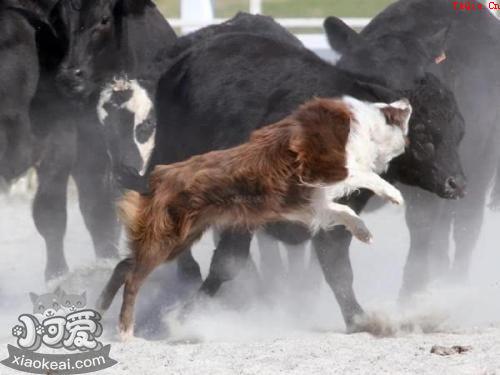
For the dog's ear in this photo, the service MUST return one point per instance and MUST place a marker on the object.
(397, 113)
(319, 141)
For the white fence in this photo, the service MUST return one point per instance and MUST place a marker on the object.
(200, 13)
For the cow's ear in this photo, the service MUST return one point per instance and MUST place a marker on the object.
(340, 36)
(435, 44)
(36, 12)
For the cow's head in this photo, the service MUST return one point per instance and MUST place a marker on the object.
(95, 44)
(436, 130)
(126, 113)
(399, 58)
(431, 159)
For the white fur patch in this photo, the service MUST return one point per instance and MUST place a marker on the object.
(372, 143)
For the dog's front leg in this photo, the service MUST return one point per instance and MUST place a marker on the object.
(340, 214)
(375, 183)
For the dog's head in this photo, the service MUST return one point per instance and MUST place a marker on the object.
(323, 128)
(382, 127)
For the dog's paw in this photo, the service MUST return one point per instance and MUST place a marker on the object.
(361, 232)
(394, 195)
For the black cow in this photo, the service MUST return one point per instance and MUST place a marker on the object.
(106, 38)
(220, 90)
(19, 22)
(471, 51)
(97, 40)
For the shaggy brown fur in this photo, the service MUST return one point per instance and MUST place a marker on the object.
(247, 186)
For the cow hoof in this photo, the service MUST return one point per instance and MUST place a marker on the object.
(54, 274)
(378, 325)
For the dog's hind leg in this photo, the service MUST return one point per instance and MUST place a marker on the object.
(114, 284)
(135, 277)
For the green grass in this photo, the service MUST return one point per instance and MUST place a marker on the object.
(290, 8)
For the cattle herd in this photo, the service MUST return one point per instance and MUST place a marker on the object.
(105, 92)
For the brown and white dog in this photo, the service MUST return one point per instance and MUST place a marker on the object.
(290, 170)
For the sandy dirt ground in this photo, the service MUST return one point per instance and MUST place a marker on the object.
(295, 330)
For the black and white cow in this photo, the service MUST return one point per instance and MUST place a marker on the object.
(466, 63)
(98, 39)
(222, 88)
(19, 22)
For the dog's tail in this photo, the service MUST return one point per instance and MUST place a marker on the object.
(146, 222)
(129, 209)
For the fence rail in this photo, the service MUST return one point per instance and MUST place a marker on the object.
(287, 22)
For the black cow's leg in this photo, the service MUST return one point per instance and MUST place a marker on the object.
(468, 223)
(49, 207)
(188, 269)
(294, 238)
(332, 250)
(429, 220)
(230, 257)
(296, 254)
(272, 268)
(96, 191)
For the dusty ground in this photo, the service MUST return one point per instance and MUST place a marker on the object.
(297, 333)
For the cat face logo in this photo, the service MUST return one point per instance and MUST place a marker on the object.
(59, 320)
(58, 303)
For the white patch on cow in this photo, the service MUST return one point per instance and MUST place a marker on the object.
(139, 104)
(146, 149)
(105, 97)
